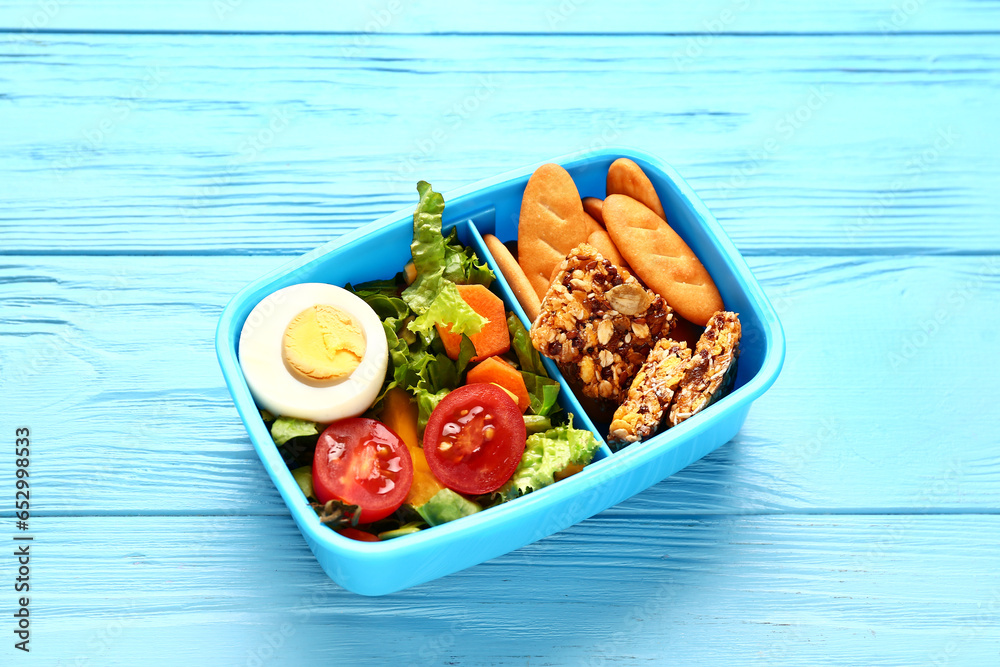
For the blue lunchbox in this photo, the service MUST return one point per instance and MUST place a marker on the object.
(380, 249)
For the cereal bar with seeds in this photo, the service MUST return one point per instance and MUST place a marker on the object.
(598, 323)
(712, 368)
(650, 394)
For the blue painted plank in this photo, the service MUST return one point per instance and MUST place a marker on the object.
(111, 362)
(838, 528)
(273, 144)
(882, 17)
(785, 590)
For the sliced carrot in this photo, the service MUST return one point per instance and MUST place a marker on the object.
(569, 470)
(425, 485)
(493, 338)
(501, 373)
(399, 413)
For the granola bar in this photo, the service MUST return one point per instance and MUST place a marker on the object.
(712, 367)
(598, 323)
(650, 394)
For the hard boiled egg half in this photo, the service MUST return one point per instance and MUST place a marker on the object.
(313, 351)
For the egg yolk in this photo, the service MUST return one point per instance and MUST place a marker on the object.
(322, 345)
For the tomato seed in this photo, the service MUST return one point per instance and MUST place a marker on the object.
(467, 416)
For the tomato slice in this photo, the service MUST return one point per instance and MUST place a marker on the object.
(362, 462)
(359, 535)
(474, 439)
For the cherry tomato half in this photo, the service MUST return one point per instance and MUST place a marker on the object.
(362, 462)
(474, 439)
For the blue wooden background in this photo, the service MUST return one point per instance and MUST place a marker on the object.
(157, 156)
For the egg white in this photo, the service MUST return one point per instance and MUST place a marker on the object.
(273, 386)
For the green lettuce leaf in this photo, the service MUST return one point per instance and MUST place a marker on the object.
(431, 371)
(433, 296)
(434, 376)
(416, 367)
(462, 265)
(428, 246)
(399, 353)
(296, 440)
(466, 351)
(390, 287)
(383, 297)
(536, 424)
(543, 391)
(447, 307)
(386, 307)
(304, 478)
(527, 356)
(545, 454)
(285, 428)
(445, 506)
(426, 402)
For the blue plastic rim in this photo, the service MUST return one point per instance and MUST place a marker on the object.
(380, 249)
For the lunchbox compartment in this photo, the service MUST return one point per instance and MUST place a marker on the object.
(590, 176)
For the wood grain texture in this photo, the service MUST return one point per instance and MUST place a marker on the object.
(147, 177)
(883, 17)
(781, 590)
(242, 144)
(111, 362)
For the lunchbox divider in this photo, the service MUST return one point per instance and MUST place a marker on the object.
(483, 218)
(566, 397)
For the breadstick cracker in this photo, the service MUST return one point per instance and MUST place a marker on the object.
(593, 207)
(627, 178)
(661, 259)
(512, 271)
(552, 223)
(602, 241)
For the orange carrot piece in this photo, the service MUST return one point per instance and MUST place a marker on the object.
(499, 372)
(399, 413)
(493, 338)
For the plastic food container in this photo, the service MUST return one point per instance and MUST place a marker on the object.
(380, 249)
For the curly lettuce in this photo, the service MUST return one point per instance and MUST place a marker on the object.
(416, 364)
(546, 454)
(462, 265)
(440, 265)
